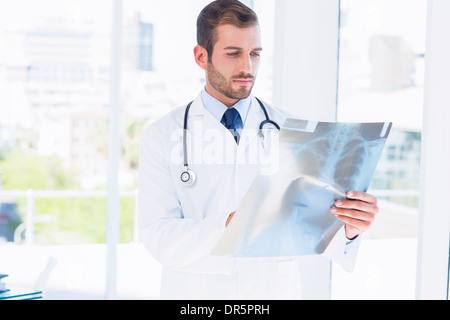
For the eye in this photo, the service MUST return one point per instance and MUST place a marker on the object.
(255, 54)
(232, 54)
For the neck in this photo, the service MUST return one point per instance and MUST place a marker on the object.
(229, 102)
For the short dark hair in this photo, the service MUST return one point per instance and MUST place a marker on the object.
(220, 12)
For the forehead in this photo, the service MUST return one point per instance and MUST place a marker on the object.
(231, 36)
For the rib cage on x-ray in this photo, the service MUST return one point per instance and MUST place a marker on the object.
(288, 214)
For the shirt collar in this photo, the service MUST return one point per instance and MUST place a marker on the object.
(217, 108)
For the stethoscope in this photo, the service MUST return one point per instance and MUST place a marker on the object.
(188, 177)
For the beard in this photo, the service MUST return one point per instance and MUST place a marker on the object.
(225, 87)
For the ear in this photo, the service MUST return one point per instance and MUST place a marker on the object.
(201, 57)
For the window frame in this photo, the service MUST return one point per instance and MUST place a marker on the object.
(294, 71)
(434, 217)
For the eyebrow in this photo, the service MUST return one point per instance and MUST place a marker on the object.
(238, 48)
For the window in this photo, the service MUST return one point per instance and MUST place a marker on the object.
(54, 74)
(381, 78)
(54, 131)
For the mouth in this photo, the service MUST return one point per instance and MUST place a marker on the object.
(243, 82)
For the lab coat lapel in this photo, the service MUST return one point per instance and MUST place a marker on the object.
(216, 142)
(199, 112)
(251, 127)
(200, 118)
(197, 108)
(249, 133)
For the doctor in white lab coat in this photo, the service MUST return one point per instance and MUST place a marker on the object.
(180, 225)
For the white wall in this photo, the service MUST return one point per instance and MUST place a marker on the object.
(434, 219)
(306, 57)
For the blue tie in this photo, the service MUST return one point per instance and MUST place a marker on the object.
(229, 119)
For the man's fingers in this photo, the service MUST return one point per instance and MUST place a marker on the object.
(357, 205)
(229, 218)
(357, 212)
(363, 196)
(360, 225)
(353, 214)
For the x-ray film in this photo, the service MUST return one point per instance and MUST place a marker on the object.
(288, 213)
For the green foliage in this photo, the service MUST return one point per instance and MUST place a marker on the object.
(73, 220)
(131, 136)
(34, 172)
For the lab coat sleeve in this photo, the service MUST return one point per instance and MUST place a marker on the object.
(178, 243)
(343, 251)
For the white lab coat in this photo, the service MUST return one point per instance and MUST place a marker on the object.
(180, 225)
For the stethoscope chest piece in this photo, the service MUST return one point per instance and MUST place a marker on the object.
(188, 178)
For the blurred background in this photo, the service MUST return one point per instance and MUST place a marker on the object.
(55, 81)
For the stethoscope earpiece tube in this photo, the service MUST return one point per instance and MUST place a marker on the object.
(188, 177)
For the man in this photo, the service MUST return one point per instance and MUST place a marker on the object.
(180, 224)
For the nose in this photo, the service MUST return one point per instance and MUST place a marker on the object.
(245, 65)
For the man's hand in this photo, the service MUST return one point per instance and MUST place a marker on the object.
(358, 212)
(229, 218)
